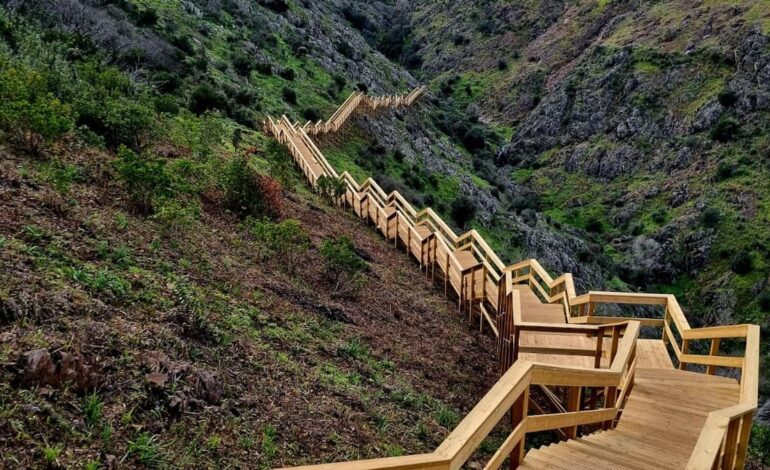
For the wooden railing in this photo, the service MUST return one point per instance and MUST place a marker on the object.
(354, 102)
(485, 286)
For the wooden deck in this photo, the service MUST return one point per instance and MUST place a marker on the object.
(653, 411)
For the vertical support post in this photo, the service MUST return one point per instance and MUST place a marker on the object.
(573, 404)
(614, 345)
(598, 354)
(743, 442)
(713, 351)
(610, 394)
(731, 444)
(518, 414)
(685, 350)
(471, 295)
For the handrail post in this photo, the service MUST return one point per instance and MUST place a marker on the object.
(573, 404)
(519, 415)
(599, 340)
(713, 351)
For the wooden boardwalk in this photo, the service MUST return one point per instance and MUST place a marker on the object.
(616, 400)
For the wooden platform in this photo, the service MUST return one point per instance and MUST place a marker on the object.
(535, 311)
(657, 429)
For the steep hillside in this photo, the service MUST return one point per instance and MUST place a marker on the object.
(212, 340)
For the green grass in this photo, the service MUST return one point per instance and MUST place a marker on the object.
(51, 455)
(92, 409)
(146, 449)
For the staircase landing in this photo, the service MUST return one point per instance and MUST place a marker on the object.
(658, 428)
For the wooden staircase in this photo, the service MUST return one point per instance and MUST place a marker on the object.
(619, 401)
(659, 426)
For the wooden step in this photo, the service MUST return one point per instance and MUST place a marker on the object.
(659, 427)
(652, 354)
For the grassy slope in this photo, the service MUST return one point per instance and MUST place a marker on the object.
(285, 371)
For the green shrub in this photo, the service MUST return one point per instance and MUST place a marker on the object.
(659, 216)
(250, 193)
(462, 211)
(208, 97)
(763, 299)
(145, 178)
(112, 106)
(727, 98)
(286, 242)
(166, 104)
(311, 114)
(344, 267)
(711, 217)
(175, 215)
(27, 105)
(725, 130)
(331, 188)
(287, 74)
(726, 170)
(595, 225)
(742, 262)
(759, 444)
(289, 95)
(281, 164)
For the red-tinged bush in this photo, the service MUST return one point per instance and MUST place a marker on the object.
(250, 193)
(272, 196)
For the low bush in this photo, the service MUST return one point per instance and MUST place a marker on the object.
(763, 299)
(206, 97)
(250, 193)
(462, 211)
(727, 98)
(27, 105)
(311, 114)
(711, 217)
(595, 225)
(278, 6)
(742, 263)
(331, 188)
(725, 130)
(759, 445)
(144, 177)
(344, 267)
(243, 64)
(285, 242)
(726, 170)
(288, 74)
(289, 95)
(175, 215)
(474, 138)
(659, 216)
